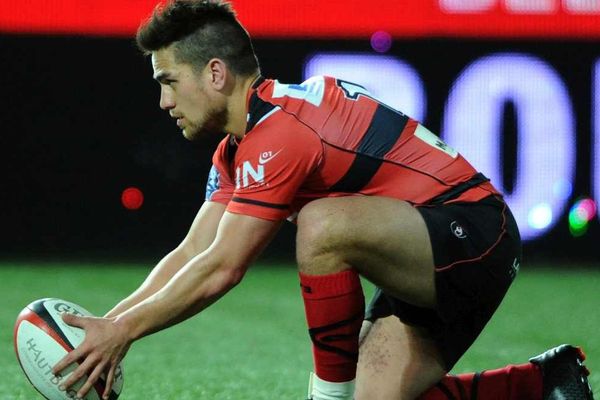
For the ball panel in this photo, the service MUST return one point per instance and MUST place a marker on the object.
(55, 307)
(38, 352)
(51, 310)
(50, 323)
(42, 324)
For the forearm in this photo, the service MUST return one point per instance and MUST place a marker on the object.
(199, 238)
(196, 286)
(203, 280)
(156, 280)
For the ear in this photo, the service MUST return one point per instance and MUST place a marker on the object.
(219, 73)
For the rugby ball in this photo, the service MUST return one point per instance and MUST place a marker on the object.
(42, 339)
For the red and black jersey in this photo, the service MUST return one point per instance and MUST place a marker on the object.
(328, 137)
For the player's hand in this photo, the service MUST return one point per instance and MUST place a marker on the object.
(104, 346)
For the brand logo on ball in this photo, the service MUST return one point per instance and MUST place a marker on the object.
(39, 360)
(62, 308)
(458, 230)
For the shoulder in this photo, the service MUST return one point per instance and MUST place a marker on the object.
(281, 133)
(312, 91)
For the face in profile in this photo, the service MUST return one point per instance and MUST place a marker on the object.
(188, 97)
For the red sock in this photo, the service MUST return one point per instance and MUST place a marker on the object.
(335, 308)
(514, 382)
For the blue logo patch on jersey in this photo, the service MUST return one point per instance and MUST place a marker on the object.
(298, 87)
(311, 90)
(212, 184)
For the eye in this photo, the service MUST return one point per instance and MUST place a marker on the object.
(167, 82)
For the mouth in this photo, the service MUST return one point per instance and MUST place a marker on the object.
(180, 122)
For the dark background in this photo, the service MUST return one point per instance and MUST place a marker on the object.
(80, 122)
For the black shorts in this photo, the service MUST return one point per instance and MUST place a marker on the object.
(477, 252)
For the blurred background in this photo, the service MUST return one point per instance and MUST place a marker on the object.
(512, 84)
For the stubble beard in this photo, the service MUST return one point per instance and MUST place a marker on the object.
(214, 122)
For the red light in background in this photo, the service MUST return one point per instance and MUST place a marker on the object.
(132, 198)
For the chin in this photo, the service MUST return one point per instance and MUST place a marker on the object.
(214, 124)
(197, 134)
(192, 132)
(187, 134)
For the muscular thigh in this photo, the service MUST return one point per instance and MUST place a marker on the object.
(385, 239)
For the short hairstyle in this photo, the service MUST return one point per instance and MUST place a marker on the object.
(201, 30)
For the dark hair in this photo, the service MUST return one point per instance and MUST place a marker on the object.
(201, 30)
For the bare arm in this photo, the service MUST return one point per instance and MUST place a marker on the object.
(200, 236)
(205, 278)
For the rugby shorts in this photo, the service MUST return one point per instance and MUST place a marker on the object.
(477, 253)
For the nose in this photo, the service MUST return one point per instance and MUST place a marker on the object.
(167, 100)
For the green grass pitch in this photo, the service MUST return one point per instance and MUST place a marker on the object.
(253, 344)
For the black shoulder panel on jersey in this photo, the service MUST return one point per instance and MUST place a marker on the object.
(258, 108)
(383, 132)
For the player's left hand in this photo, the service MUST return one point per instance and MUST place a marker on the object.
(104, 346)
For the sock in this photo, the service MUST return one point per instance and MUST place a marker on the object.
(335, 308)
(322, 390)
(513, 382)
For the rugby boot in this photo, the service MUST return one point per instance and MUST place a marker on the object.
(564, 376)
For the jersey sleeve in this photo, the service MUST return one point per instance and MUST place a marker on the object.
(219, 187)
(271, 165)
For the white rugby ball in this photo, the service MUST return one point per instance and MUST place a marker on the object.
(42, 339)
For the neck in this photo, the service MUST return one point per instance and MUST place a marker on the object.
(238, 108)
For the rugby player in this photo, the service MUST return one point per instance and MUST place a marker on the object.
(373, 193)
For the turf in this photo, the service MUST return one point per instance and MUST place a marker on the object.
(252, 344)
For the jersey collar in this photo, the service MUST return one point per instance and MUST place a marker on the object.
(257, 107)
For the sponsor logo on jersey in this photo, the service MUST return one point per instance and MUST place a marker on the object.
(458, 230)
(266, 156)
(250, 176)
